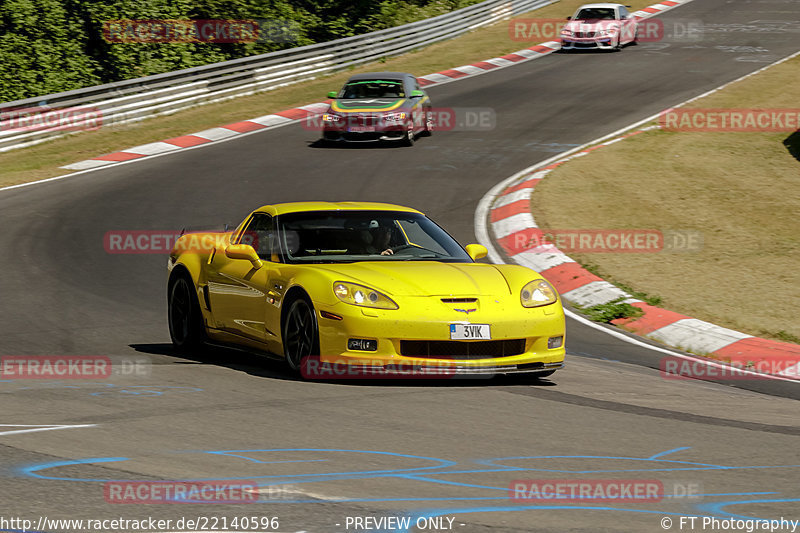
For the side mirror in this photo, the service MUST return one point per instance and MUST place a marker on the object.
(245, 252)
(477, 251)
(332, 94)
(417, 93)
(569, 18)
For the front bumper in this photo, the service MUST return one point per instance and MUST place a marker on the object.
(519, 338)
(570, 43)
(383, 134)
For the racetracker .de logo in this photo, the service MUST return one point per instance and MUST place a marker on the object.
(441, 118)
(581, 490)
(537, 30)
(729, 120)
(36, 118)
(239, 491)
(55, 367)
(163, 242)
(315, 367)
(679, 368)
(590, 240)
(181, 31)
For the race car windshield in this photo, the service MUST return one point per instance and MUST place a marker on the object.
(373, 89)
(351, 236)
(596, 14)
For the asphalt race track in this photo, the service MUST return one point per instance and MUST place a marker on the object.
(323, 452)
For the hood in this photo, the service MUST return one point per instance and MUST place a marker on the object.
(366, 105)
(421, 278)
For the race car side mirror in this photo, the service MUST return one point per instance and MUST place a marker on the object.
(416, 94)
(569, 18)
(245, 252)
(332, 94)
(477, 251)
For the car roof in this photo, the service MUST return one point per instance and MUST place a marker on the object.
(300, 207)
(380, 75)
(606, 5)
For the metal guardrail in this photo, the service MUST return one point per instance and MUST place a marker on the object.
(161, 94)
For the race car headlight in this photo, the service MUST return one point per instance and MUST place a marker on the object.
(609, 32)
(566, 32)
(394, 117)
(353, 294)
(537, 293)
(329, 117)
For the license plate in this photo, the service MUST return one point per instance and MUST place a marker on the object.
(357, 129)
(470, 332)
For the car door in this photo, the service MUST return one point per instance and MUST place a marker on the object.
(627, 26)
(237, 289)
(419, 104)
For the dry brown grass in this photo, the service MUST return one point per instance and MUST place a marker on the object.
(43, 161)
(741, 190)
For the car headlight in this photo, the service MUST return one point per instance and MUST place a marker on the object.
(394, 117)
(566, 32)
(354, 294)
(610, 32)
(537, 293)
(329, 117)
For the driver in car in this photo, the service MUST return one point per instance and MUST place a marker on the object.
(380, 236)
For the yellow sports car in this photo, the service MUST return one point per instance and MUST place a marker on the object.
(373, 286)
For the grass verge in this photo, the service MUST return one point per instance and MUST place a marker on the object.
(43, 160)
(740, 190)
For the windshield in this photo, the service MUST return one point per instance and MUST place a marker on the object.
(373, 89)
(350, 236)
(596, 13)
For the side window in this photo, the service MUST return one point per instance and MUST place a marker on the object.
(623, 13)
(259, 234)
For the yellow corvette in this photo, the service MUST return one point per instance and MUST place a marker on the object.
(366, 285)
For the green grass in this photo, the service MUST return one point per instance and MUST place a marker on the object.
(739, 189)
(610, 311)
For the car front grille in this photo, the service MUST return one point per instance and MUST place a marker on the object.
(584, 34)
(463, 349)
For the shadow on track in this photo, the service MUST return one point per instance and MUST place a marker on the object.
(792, 143)
(268, 367)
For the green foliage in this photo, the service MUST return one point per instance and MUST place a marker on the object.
(42, 50)
(49, 46)
(611, 311)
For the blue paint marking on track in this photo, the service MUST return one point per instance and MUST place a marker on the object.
(668, 452)
(718, 508)
(443, 467)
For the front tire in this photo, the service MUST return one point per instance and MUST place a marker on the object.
(428, 124)
(408, 139)
(300, 333)
(185, 319)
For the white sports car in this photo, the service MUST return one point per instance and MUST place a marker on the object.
(603, 26)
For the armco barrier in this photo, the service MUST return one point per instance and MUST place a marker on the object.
(136, 99)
